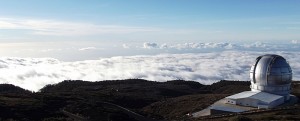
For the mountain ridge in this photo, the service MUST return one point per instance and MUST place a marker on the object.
(170, 100)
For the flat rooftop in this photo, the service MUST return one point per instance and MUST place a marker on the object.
(262, 96)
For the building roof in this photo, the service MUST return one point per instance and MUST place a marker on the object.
(220, 105)
(262, 96)
(242, 95)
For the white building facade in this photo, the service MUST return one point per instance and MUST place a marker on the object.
(255, 99)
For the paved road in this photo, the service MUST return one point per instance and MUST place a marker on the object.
(73, 116)
(124, 110)
(128, 112)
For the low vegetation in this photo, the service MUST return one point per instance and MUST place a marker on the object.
(172, 100)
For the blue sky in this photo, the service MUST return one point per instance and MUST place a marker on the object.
(46, 41)
(53, 24)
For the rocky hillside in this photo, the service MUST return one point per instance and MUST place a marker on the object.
(116, 100)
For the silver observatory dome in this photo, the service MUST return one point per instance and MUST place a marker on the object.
(271, 73)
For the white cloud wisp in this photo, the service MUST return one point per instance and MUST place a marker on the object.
(62, 28)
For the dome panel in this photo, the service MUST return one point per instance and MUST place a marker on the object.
(280, 62)
(275, 71)
(286, 78)
(284, 70)
(260, 71)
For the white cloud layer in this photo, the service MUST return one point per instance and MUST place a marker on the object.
(87, 48)
(257, 46)
(34, 73)
(295, 41)
(150, 45)
(126, 46)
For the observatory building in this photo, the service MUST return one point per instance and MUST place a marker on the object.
(271, 78)
(271, 74)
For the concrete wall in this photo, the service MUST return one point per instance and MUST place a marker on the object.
(254, 102)
(248, 102)
(245, 102)
(214, 112)
(276, 102)
(230, 101)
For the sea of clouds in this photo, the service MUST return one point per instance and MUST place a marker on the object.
(206, 68)
(257, 46)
